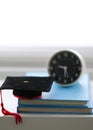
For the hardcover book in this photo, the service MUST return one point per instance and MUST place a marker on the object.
(55, 110)
(77, 94)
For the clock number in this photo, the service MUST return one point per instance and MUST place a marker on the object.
(65, 54)
(79, 68)
(51, 67)
(54, 75)
(59, 56)
(76, 75)
(65, 81)
(54, 61)
(72, 56)
(71, 79)
(59, 78)
(77, 61)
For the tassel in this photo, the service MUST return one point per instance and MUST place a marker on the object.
(18, 118)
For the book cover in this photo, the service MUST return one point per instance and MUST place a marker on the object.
(77, 94)
(55, 110)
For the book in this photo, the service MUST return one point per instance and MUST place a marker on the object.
(54, 110)
(57, 109)
(77, 94)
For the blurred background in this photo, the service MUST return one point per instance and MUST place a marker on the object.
(32, 30)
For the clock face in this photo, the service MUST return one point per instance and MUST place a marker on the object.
(65, 67)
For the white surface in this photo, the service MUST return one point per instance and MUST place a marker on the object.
(47, 122)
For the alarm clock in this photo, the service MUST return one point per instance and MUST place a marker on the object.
(66, 67)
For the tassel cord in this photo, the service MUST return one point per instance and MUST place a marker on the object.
(18, 118)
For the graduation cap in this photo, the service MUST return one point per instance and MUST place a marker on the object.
(28, 86)
(25, 87)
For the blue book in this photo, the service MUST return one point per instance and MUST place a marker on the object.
(55, 109)
(77, 94)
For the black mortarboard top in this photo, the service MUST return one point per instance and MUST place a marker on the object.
(28, 87)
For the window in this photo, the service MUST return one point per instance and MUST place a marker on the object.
(30, 31)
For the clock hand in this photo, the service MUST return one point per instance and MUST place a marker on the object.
(62, 67)
(65, 70)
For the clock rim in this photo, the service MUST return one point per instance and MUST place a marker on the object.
(83, 64)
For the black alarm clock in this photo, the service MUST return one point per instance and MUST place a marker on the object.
(66, 67)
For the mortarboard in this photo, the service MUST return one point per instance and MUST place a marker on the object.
(28, 86)
(25, 87)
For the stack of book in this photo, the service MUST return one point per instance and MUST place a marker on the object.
(75, 99)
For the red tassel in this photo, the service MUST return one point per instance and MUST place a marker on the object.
(18, 118)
